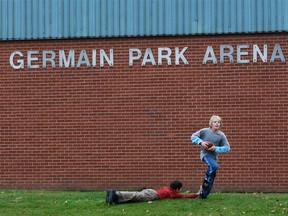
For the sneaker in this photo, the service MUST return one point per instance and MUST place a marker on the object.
(200, 192)
(107, 196)
(114, 196)
(111, 197)
(201, 196)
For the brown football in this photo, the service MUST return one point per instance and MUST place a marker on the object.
(209, 144)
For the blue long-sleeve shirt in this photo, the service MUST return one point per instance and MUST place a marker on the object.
(218, 139)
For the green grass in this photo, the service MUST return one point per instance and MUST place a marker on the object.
(23, 202)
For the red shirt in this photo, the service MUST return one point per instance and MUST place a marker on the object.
(166, 193)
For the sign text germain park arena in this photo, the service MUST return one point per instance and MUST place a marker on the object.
(101, 58)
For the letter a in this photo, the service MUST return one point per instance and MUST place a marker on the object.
(209, 52)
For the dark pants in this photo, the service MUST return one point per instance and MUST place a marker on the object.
(210, 175)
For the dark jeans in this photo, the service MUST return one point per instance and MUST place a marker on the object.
(210, 175)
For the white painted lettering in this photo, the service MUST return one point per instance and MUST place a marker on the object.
(228, 54)
(180, 55)
(133, 57)
(20, 61)
(148, 57)
(31, 59)
(257, 51)
(46, 59)
(70, 62)
(83, 59)
(209, 55)
(241, 53)
(166, 56)
(103, 56)
(277, 53)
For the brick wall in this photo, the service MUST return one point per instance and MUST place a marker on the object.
(93, 128)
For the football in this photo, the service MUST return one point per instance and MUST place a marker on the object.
(209, 144)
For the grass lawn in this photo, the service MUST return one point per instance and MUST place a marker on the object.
(24, 202)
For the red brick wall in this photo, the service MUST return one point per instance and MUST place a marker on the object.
(128, 127)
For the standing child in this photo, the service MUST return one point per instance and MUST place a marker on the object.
(209, 153)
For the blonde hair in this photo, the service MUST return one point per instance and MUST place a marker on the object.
(215, 118)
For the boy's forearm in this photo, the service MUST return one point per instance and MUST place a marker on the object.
(190, 196)
(196, 140)
(222, 149)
